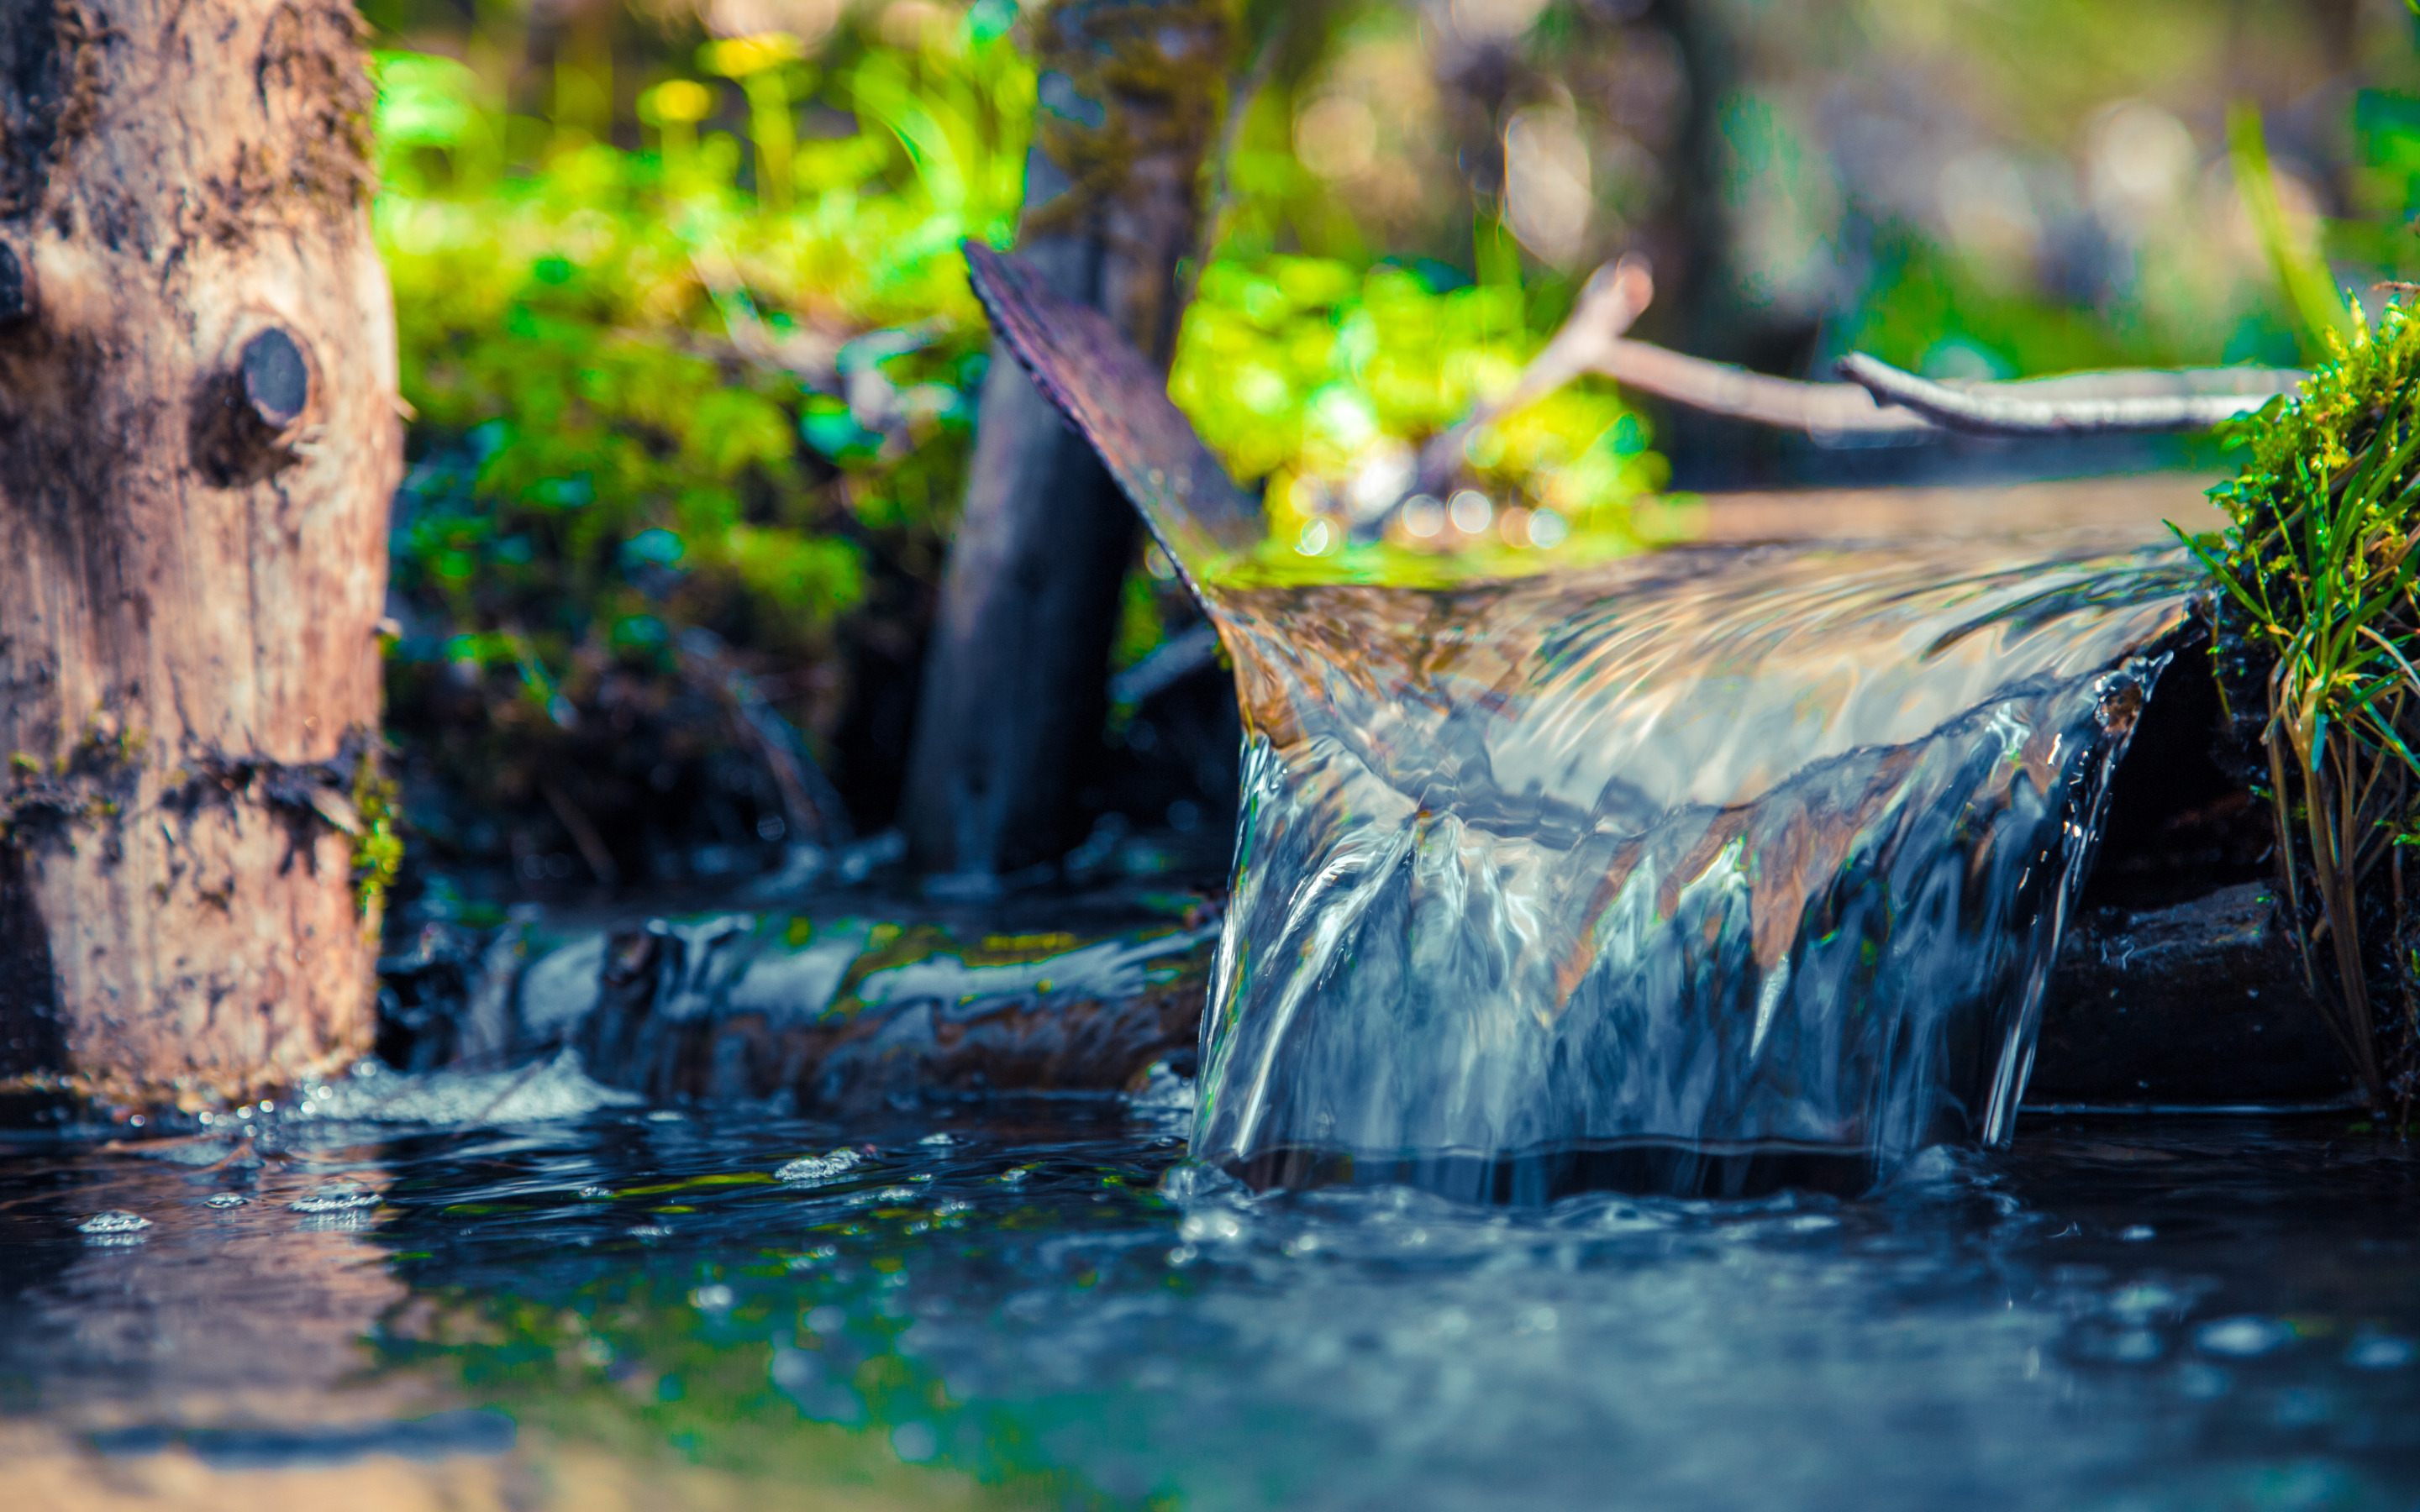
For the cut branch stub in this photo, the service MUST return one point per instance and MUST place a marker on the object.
(245, 415)
(275, 378)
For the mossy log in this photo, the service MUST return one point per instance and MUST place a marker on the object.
(199, 436)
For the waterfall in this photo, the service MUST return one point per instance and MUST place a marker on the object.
(1706, 871)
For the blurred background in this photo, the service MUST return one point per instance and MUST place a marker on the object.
(693, 367)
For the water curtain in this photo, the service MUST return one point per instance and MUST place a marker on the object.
(1705, 871)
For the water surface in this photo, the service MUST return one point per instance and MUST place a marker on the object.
(1032, 1303)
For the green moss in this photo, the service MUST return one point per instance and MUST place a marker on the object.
(377, 844)
(2317, 630)
(1158, 73)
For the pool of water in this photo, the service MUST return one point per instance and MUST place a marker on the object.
(1034, 1303)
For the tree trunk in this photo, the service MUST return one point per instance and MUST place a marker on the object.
(1014, 686)
(198, 441)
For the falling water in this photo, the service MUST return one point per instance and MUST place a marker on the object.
(1707, 870)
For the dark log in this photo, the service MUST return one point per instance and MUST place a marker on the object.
(1013, 695)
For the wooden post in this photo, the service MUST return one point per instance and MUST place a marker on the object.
(199, 436)
(1015, 684)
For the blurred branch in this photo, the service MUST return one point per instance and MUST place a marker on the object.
(1614, 296)
(1880, 399)
(2086, 405)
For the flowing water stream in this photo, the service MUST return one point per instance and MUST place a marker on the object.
(1725, 875)
(1032, 1304)
(1706, 871)
(1703, 872)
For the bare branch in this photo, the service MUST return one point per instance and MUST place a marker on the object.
(2094, 404)
(1721, 388)
(1881, 400)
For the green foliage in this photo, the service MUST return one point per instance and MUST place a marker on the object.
(650, 394)
(378, 840)
(1325, 379)
(2319, 626)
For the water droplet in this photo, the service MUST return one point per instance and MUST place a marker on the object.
(938, 1139)
(335, 1196)
(812, 1169)
(115, 1221)
(2137, 1233)
(896, 1194)
(915, 1441)
(951, 1207)
(2136, 1346)
(595, 1193)
(2381, 1353)
(649, 1231)
(1017, 1177)
(667, 1115)
(226, 1199)
(1213, 1224)
(712, 1298)
(2243, 1338)
(2144, 1298)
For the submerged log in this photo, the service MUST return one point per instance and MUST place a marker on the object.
(2191, 1004)
(198, 439)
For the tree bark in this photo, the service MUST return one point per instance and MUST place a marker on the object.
(199, 436)
(1014, 684)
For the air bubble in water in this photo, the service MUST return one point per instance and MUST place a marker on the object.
(2137, 1233)
(810, 1169)
(226, 1199)
(1198, 1227)
(335, 1196)
(714, 1297)
(115, 1221)
(2382, 1353)
(595, 1193)
(2243, 1338)
(938, 1139)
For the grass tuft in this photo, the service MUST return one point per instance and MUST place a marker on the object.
(2317, 631)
